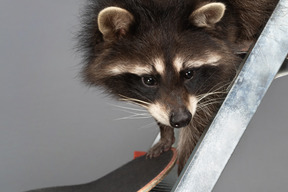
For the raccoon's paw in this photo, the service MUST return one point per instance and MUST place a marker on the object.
(160, 147)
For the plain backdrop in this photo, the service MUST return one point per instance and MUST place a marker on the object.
(54, 130)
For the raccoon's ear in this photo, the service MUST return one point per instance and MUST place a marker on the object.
(114, 22)
(207, 15)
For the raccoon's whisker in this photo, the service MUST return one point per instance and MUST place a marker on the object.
(209, 103)
(206, 114)
(218, 87)
(208, 100)
(203, 96)
(208, 106)
(136, 116)
(134, 112)
(211, 100)
(149, 125)
(132, 118)
(129, 109)
(213, 91)
(135, 104)
(136, 101)
(123, 96)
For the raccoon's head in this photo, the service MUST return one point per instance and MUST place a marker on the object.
(167, 58)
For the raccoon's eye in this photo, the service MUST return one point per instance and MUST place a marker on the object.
(149, 80)
(189, 74)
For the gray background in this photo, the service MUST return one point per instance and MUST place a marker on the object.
(56, 131)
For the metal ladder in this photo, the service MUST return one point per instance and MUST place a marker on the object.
(264, 63)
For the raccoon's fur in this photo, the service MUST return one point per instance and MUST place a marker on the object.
(174, 57)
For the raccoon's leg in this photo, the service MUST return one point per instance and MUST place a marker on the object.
(188, 138)
(165, 143)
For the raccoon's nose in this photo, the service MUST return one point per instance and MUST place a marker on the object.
(180, 118)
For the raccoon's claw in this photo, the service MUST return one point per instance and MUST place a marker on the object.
(159, 148)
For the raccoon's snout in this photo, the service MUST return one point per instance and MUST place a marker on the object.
(180, 118)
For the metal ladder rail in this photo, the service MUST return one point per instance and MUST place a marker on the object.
(217, 144)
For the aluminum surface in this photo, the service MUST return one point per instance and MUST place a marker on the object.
(218, 143)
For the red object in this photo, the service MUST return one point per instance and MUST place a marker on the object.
(139, 154)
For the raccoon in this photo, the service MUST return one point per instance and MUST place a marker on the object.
(176, 58)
